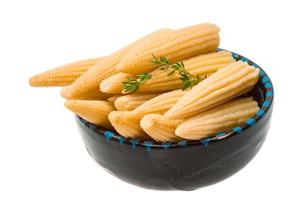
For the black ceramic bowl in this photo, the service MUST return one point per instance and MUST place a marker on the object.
(184, 165)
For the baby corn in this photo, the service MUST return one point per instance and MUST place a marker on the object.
(175, 46)
(220, 119)
(127, 124)
(114, 83)
(202, 66)
(93, 111)
(131, 101)
(160, 128)
(112, 99)
(87, 85)
(219, 88)
(208, 63)
(160, 103)
(163, 81)
(64, 75)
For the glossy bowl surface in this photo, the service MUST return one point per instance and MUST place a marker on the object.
(184, 165)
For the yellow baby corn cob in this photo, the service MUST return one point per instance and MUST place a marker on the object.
(175, 46)
(160, 103)
(64, 75)
(87, 85)
(131, 101)
(208, 63)
(114, 83)
(93, 111)
(220, 87)
(127, 124)
(112, 99)
(160, 128)
(202, 65)
(161, 81)
(219, 119)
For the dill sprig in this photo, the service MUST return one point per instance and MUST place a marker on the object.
(163, 61)
(188, 80)
(133, 83)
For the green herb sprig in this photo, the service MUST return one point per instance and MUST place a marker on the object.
(188, 80)
(133, 83)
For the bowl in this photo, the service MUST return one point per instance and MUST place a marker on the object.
(183, 165)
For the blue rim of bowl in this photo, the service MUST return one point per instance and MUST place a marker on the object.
(264, 80)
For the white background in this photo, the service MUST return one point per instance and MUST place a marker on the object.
(41, 153)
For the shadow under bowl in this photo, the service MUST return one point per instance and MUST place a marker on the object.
(183, 165)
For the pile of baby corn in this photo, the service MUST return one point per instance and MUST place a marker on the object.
(160, 109)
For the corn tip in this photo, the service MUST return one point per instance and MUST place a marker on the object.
(65, 93)
(33, 82)
(147, 122)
